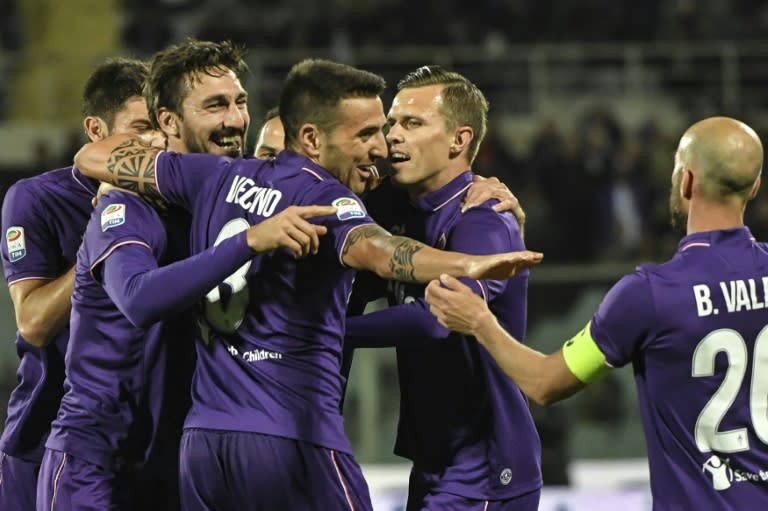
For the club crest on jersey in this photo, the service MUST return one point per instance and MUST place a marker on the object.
(347, 207)
(17, 245)
(112, 216)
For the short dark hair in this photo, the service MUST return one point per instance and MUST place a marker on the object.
(110, 85)
(173, 68)
(313, 89)
(271, 114)
(464, 104)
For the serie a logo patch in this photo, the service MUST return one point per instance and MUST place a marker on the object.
(347, 208)
(17, 245)
(112, 216)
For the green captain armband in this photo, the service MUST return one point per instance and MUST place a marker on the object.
(584, 358)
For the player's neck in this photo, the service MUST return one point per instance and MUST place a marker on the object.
(435, 182)
(711, 216)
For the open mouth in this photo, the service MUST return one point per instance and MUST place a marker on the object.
(231, 144)
(368, 171)
(396, 158)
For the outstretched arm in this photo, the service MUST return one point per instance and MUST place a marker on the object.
(370, 247)
(140, 288)
(544, 378)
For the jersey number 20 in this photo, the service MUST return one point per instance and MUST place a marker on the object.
(708, 437)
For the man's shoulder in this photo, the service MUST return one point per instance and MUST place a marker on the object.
(48, 182)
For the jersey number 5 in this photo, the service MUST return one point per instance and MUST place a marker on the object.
(730, 342)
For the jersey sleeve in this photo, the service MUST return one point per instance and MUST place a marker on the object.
(29, 243)
(121, 219)
(483, 231)
(350, 213)
(183, 178)
(622, 322)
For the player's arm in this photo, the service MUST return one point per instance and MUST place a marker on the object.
(42, 306)
(146, 293)
(544, 378)
(123, 161)
(370, 247)
(399, 326)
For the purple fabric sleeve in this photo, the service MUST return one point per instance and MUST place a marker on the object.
(22, 209)
(182, 178)
(146, 293)
(621, 324)
(399, 326)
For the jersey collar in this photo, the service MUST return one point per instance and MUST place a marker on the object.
(453, 191)
(708, 238)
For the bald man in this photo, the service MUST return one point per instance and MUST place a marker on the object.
(694, 329)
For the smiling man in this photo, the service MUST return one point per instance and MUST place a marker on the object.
(267, 385)
(196, 97)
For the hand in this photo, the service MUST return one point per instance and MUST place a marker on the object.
(290, 229)
(104, 189)
(483, 189)
(455, 306)
(502, 266)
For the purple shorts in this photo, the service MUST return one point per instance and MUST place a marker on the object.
(226, 470)
(18, 483)
(422, 497)
(69, 483)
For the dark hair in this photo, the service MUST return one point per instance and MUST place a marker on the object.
(173, 69)
(110, 85)
(463, 103)
(271, 114)
(313, 89)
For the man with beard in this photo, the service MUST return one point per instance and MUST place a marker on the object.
(694, 329)
(267, 384)
(195, 97)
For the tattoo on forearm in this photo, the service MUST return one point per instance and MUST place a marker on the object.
(133, 167)
(401, 262)
(361, 233)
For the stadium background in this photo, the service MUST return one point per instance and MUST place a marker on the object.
(588, 99)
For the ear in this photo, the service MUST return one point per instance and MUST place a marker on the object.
(311, 140)
(686, 184)
(169, 122)
(95, 128)
(461, 139)
(755, 188)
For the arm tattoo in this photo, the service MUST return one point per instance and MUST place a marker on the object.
(132, 166)
(403, 250)
(361, 233)
(401, 262)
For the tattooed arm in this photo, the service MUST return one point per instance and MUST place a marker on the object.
(124, 161)
(370, 247)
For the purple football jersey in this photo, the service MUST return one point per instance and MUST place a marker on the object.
(114, 382)
(43, 221)
(272, 334)
(461, 419)
(695, 332)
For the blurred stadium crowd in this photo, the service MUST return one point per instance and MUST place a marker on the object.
(595, 188)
